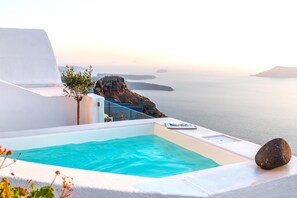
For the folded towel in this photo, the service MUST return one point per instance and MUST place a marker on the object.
(180, 126)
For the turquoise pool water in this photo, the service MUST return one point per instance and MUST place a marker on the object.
(147, 156)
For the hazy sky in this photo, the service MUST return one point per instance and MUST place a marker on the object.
(237, 35)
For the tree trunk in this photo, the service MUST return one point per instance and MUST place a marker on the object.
(77, 112)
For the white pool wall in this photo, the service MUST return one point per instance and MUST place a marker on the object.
(219, 155)
(199, 146)
(76, 137)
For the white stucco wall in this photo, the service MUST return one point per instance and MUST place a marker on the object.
(94, 108)
(27, 57)
(22, 109)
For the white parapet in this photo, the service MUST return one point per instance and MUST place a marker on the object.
(23, 109)
(94, 109)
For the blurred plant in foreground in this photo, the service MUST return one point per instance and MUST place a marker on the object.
(29, 190)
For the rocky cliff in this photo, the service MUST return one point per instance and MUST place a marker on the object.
(115, 87)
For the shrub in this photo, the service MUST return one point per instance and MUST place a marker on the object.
(77, 85)
(29, 190)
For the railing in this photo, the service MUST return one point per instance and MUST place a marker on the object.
(118, 112)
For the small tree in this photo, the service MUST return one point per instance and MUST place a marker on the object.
(77, 85)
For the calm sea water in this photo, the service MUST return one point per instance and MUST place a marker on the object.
(149, 156)
(250, 108)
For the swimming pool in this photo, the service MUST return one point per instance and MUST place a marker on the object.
(146, 156)
(58, 138)
(234, 155)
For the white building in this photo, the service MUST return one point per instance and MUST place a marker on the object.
(30, 84)
(32, 98)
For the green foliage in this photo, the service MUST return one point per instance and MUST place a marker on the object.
(43, 192)
(8, 191)
(29, 191)
(77, 84)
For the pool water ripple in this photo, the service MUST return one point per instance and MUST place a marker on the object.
(147, 156)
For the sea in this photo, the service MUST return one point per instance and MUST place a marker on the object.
(250, 108)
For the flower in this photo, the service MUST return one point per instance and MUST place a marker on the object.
(9, 152)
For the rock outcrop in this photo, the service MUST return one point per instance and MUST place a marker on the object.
(115, 87)
(273, 154)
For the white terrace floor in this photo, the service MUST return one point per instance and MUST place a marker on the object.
(242, 179)
(50, 90)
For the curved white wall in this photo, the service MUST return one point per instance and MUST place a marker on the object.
(27, 57)
(22, 109)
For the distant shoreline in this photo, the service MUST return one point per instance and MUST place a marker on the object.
(127, 76)
(279, 72)
(137, 85)
(148, 86)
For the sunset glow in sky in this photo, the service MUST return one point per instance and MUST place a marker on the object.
(246, 36)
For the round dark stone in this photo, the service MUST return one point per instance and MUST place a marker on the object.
(273, 154)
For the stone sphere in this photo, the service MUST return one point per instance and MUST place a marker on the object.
(273, 154)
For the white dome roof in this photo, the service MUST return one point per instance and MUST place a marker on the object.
(27, 57)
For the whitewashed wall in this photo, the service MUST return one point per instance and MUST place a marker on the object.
(21, 109)
(27, 57)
